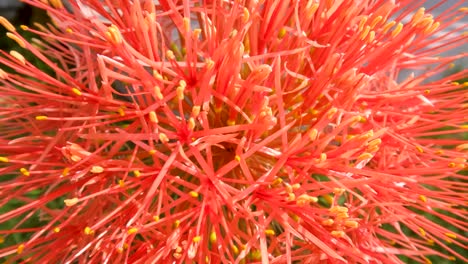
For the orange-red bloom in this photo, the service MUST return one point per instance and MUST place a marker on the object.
(234, 132)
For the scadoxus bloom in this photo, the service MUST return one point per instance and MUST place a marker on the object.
(233, 132)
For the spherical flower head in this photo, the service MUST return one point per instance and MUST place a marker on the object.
(233, 132)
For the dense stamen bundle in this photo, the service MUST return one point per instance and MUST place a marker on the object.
(233, 132)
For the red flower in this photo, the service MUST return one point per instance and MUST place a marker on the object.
(233, 132)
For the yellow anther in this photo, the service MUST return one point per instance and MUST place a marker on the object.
(69, 30)
(422, 232)
(18, 56)
(295, 217)
(364, 156)
(137, 173)
(182, 83)
(397, 30)
(194, 194)
(328, 222)
(371, 36)
(163, 138)
(432, 29)
(291, 197)
(231, 122)
(176, 223)
(234, 249)
(313, 133)
(76, 91)
(351, 223)
(296, 186)
(338, 233)
(426, 22)
(56, 4)
(157, 75)
(18, 40)
(423, 198)
(281, 33)
(356, 119)
(338, 191)
(451, 235)
(196, 33)
(237, 158)
(170, 55)
(452, 165)
(121, 111)
(255, 254)
(245, 15)
(375, 142)
(305, 199)
(452, 258)
(323, 157)
(24, 27)
(191, 124)
(392, 242)
(269, 232)
(71, 202)
(152, 152)
(430, 242)
(121, 183)
(156, 218)
(462, 147)
(314, 112)
(132, 230)
(113, 34)
(213, 237)
(311, 9)
(418, 15)
(186, 23)
(153, 117)
(177, 255)
(4, 159)
(157, 92)
(364, 33)
(463, 9)
(342, 215)
(419, 149)
(331, 113)
(195, 111)
(338, 209)
(362, 22)
(427, 91)
(209, 63)
(20, 249)
(88, 231)
(56, 229)
(6, 24)
(41, 118)
(196, 239)
(427, 261)
(328, 198)
(24, 171)
(65, 171)
(376, 21)
(97, 169)
(3, 74)
(277, 182)
(180, 92)
(388, 26)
